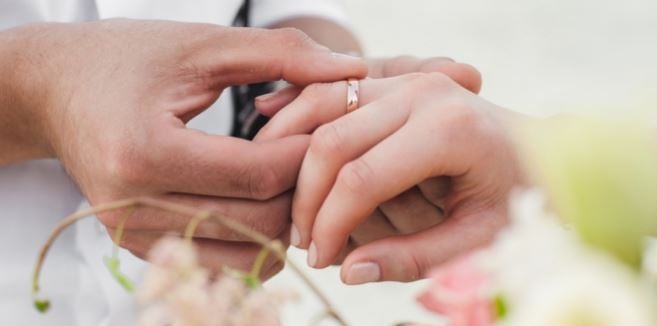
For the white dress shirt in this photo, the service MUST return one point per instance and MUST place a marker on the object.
(35, 195)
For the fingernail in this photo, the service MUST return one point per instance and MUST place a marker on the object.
(312, 255)
(267, 97)
(295, 237)
(360, 273)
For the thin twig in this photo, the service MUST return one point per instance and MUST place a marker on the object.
(259, 262)
(274, 246)
(118, 237)
(193, 224)
(69, 221)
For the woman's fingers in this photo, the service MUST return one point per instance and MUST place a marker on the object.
(333, 145)
(408, 258)
(318, 104)
(391, 167)
(269, 104)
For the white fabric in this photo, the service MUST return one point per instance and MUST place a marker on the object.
(35, 195)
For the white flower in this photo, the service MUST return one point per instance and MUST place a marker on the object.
(259, 310)
(548, 277)
(533, 247)
(178, 291)
(172, 259)
(174, 253)
(599, 292)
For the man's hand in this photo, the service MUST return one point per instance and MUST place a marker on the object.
(110, 99)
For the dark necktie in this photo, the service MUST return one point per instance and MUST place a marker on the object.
(246, 120)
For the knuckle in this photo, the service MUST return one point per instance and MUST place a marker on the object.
(435, 81)
(356, 176)
(412, 77)
(436, 64)
(459, 122)
(125, 166)
(294, 37)
(459, 73)
(327, 140)
(461, 114)
(410, 267)
(270, 221)
(312, 94)
(264, 182)
(415, 270)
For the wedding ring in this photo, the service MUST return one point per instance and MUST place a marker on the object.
(352, 94)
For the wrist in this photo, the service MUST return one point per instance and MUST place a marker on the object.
(23, 96)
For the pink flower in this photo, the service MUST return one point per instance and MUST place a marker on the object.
(458, 291)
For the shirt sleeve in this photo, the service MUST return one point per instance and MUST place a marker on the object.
(265, 13)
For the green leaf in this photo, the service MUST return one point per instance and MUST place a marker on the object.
(251, 281)
(113, 264)
(601, 176)
(500, 307)
(42, 305)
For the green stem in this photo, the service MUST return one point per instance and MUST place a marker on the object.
(120, 229)
(259, 262)
(43, 304)
(113, 263)
(274, 246)
(190, 230)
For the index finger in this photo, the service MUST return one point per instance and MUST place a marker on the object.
(249, 55)
(390, 168)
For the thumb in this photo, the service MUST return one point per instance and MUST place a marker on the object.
(409, 258)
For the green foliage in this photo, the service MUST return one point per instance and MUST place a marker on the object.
(500, 307)
(252, 281)
(42, 305)
(601, 176)
(113, 265)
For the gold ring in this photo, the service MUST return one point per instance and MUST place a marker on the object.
(352, 94)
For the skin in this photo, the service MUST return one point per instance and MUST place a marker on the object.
(412, 211)
(419, 132)
(110, 100)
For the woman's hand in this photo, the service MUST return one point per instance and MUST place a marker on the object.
(414, 210)
(417, 129)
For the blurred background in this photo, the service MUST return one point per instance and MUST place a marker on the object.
(536, 56)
